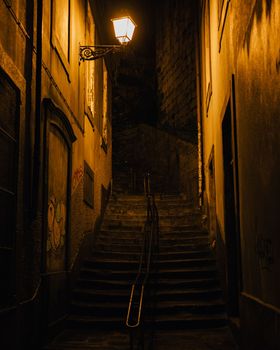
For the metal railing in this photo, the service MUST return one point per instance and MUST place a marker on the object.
(149, 251)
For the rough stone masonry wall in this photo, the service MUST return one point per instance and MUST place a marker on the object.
(176, 67)
(171, 161)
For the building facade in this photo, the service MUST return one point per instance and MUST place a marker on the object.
(239, 91)
(55, 132)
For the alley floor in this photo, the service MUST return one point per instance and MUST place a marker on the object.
(214, 339)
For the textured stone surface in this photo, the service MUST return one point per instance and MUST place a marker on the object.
(215, 339)
(184, 290)
(172, 162)
(176, 67)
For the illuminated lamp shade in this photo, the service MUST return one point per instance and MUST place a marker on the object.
(124, 29)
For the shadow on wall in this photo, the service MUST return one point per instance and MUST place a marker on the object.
(172, 162)
(259, 8)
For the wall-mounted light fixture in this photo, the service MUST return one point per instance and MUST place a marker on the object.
(124, 29)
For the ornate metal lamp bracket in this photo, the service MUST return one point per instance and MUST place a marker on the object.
(89, 53)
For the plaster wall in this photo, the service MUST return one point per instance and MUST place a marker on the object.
(66, 82)
(247, 49)
(55, 83)
(17, 63)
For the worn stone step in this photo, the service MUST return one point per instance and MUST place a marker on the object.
(168, 227)
(159, 198)
(137, 221)
(90, 340)
(127, 233)
(190, 321)
(160, 204)
(120, 246)
(129, 275)
(119, 227)
(174, 295)
(138, 242)
(119, 309)
(157, 283)
(186, 320)
(158, 263)
(95, 322)
(141, 211)
(109, 254)
(141, 217)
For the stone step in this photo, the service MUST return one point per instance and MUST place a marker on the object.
(121, 246)
(185, 321)
(190, 321)
(95, 322)
(119, 211)
(90, 340)
(119, 309)
(184, 286)
(174, 295)
(129, 275)
(129, 232)
(161, 256)
(158, 263)
(141, 214)
(118, 226)
(140, 221)
(138, 241)
(158, 283)
(158, 198)
(126, 205)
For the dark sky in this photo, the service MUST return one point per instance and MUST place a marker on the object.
(134, 89)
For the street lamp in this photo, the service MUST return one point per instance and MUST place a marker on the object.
(124, 29)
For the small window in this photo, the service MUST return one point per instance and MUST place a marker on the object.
(88, 185)
(207, 52)
(223, 6)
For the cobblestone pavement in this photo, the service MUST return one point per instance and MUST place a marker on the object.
(214, 339)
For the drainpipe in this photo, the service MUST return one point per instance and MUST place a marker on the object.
(37, 129)
(201, 176)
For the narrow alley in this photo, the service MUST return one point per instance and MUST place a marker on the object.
(139, 174)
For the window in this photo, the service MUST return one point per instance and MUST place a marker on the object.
(60, 34)
(9, 111)
(207, 54)
(90, 67)
(88, 185)
(222, 14)
(105, 108)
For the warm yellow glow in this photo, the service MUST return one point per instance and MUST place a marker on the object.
(124, 29)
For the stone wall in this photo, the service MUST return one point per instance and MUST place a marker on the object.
(171, 161)
(176, 67)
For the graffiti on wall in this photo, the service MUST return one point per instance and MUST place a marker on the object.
(57, 205)
(77, 177)
(264, 251)
(56, 224)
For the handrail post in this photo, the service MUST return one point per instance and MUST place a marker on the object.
(149, 248)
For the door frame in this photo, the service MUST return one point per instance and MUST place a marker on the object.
(233, 246)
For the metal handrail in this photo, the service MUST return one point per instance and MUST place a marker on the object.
(150, 244)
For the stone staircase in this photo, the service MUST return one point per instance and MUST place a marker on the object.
(186, 292)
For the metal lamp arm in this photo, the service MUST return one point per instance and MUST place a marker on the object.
(89, 53)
